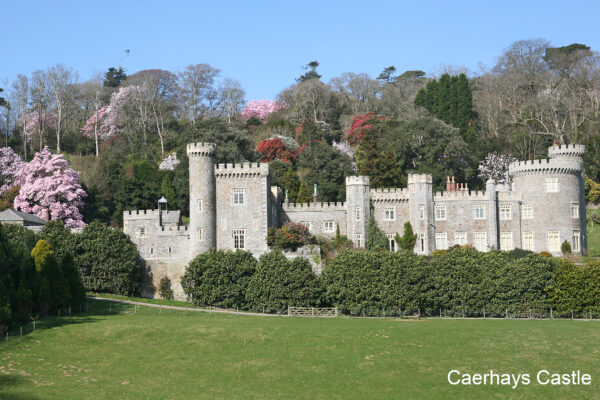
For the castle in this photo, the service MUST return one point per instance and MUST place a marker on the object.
(233, 205)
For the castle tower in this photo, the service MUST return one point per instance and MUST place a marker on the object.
(202, 197)
(420, 191)
(492, 219)
(552, 193)
(358, 208)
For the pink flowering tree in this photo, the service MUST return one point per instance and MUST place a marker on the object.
(347, 149)
(10, 168)
(100, 126)
(261, 109)
(169, 163)
(495, 166)
(48, 184)
(33, 124)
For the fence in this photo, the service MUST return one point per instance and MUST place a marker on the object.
(313, 312)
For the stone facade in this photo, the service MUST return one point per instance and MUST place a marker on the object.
(233, 205)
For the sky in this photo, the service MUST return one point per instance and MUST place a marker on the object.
(264, 44)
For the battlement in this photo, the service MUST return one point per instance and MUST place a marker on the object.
(477, 195)
(389, 194)
(329, 206)
(357, 180)
(132, 215)
(566, 150)
(420, 178)
(546, 166)
(245, 170)
(201, 149)
(173, 230)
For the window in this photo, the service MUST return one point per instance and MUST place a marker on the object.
(421, 212)
(479, 212)
(199, 205)
(441, 241)
(551, 185)
(390, 213)
(391, 242)
(238, 196)
(575, 210)
(506, 241)
(528, 240)
(357, 213)
(527, 211)
(358, 240)
(169, 251)
(328, 226)
(481, 241)
(308, 225)
(440, 212)
(199, 234)
(505, 211)
(422, 240)
(151, 250)
(141, 232)
(239, 238)
(554, 240)
(460, 238)
(576, 241)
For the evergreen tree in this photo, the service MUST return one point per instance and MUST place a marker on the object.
(73, 280)
(303, 193)
(380, 165)
(408, 240)
(376, 239)
(49, 271)
(113, 77)
(291, 183)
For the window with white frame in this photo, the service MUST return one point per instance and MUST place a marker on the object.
(505, 211)
(421, 212)
(551, 185)
(307, 224)
(199, 234)
(441, 241)
(238, 196)
(527, 211)
(481, 241)
(479, 211)
(422, 240)
(528, 241)
(239, 238)
(575, 210)
(440, 213)
(506, 241)
(460, 238)
(328, 226)
(391, 243)
(390, 213)
(576, 241)
(358, 240)
(357, 213)
(554, 240)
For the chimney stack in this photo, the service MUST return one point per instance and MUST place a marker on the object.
(315, 195)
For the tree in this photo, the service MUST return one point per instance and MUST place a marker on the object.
(49, 271)
(21, 92)
(274, 149)
(231, 98)
(290, 236)
(376, 239)
(303, 193)
(10, 168)
(358, 91)
(387, 75)
(565, 247)
(310, 72)
(196, 88)
(261, 109)
(49, 185)
(61, 80)
(408, 240)
(114, 77)
(495, 166)
(40, 98)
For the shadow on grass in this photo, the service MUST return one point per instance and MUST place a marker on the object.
(6, 381)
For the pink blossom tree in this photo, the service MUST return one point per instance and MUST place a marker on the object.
(10, 168)
(48, 184)
(33, 123)
(495, 166)
(101, 125)
(261, 109)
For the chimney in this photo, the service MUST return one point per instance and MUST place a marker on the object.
(448, 186)
(453, 185)
(315, 195)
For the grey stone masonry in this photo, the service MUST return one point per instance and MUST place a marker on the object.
(232, 206)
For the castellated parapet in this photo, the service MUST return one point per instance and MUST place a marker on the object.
(233, 205)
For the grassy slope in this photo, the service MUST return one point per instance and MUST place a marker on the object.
(593, 238)
(181, 355)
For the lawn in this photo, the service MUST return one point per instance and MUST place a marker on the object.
(593, 230)
(193, 355)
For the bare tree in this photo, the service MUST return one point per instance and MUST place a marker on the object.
(196, 86)
(40, 99)
(61, 81)
(231, 98)
(358, 90)
(21, 95)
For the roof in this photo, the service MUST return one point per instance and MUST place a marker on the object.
(170, 217)
(14, 215)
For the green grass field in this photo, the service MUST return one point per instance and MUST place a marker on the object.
(593, 238)
(195, 355)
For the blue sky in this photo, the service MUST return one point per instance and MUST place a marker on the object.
(264, 44)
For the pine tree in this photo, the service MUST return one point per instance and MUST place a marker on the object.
(291, 183)
(376, 239)
(50, 272)
(303, 193)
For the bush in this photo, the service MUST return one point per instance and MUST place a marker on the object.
(219, 278)
(576, 288)
(108, 261)
(164, 289)
(290, 236)
(376, 239)
(565, 247)
(279, 283)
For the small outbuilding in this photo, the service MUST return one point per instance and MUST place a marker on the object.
(29, 221)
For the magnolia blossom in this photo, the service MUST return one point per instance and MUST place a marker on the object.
(48, 184)
(10, 168)
(169, 163)
(347, 149)
(287, 141)
(106, 123)
(495, 166)
(32, 121)
(261, 109)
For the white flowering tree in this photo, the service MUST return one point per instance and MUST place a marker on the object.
(495, 166)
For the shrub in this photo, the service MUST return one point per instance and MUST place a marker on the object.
(49, 270)
(376, 239)
(279, 283)
(290, 236)
(219, 278)
(576, 288)
(408, 240)
(545, 254)
(565, 247)
(164, 288)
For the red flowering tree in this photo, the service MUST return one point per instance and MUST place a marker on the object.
(274, 149)
(290, 236)
(360, 123)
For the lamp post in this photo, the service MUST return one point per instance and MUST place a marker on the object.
(162, 202)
